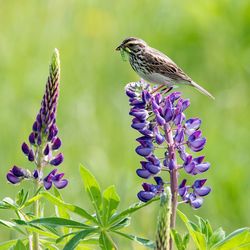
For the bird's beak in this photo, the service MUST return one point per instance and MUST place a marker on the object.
(118, 48)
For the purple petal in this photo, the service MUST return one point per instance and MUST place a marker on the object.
(46, 150)
(143, 173)
(185, 104)
(159, 138)
(137, 124)
(145, 196)
(192, 125)
(197, 145)
(47, 184)
(32, 138)
(152, 168)
(179, 136)
(168, 115)
(61, 184)
(203, 167)
(18, 172)
(25, 148)
(174, 96)
(35, 174)
(196, 203)
(183, 183)
(140, 114)
(140, 150)
(57, 177)
(202, 191)
(199, 183)
(57, 160)
(159, 180)
(179, 118)
(12, 178)
(31, 156)
(56, 143)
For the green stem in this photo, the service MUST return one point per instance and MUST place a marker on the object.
(36, 214)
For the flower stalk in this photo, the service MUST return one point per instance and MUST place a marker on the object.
(43, 145)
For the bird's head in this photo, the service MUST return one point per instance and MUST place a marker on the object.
(131, 45)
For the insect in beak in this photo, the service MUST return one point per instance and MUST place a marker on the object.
(118, 48)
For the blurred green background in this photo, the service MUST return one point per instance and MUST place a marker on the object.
(209, 39)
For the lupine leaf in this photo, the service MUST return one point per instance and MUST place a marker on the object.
(106, 243)
(144, 242)
(31, 201)
(218, 235)
(75, 209)
(6, 245)
(92, 188)
(74, 241)
(198, 237)
(55, 221)
(239, 239)
(120, 216)
(121, 224)
(177, 239)
(185, 240)
(19, 246)
(10, 202)
(11, 225)
(111, 201)
(60, 211)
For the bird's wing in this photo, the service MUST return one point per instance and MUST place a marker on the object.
(162, 64)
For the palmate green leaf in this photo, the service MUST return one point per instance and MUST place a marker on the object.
(75, 209)
(120, 216)
(93, 189)
(19, 246)
(198, 237)
(217, 236)
(239, 239)
(144, 242)
(10, 202)
(111, 201)
(11, 225)
(121, 224)
(55, 221)
(60, 211)
(205, 227)
(31, 201)
(74, 241)
(21, 198)
(6, 245)
(177, 239)
(106, 242)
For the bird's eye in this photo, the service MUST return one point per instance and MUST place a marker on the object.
(130, 45)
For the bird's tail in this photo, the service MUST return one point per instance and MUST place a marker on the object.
(202, 90)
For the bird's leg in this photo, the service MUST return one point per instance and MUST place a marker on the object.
(167, 90)
(158, 88)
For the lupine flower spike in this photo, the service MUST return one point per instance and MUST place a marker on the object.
(161, 120)
(43, 139)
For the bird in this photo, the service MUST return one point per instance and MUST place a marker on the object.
(155, 67)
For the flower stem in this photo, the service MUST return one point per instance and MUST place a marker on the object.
(36, 214)
(173, 176)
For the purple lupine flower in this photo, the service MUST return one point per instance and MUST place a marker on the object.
(160, 119)
(54, 178)
(151, 190)
(43, 138)
(16, 175)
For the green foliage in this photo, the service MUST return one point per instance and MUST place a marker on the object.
(65, 232)
(206, 239)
